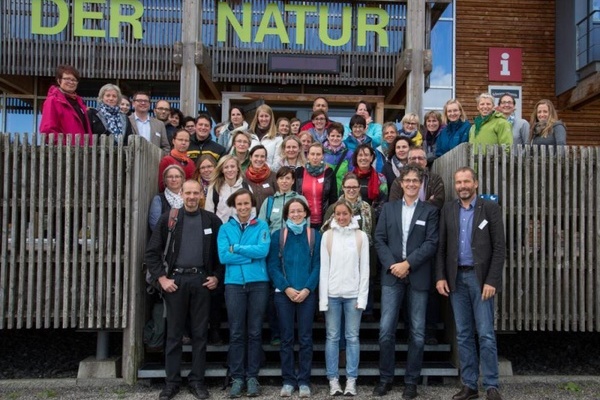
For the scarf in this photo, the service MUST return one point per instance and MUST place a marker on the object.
(180, 156)
(396, 165)
(511, 119)
(372, 179)
(174, 199)
(315, 171)
(479, 121)
(258, 175)
(113, 118)
(296, 228)
(539, 128)
(333, 150)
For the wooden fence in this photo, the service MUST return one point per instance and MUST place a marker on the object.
(550, 199)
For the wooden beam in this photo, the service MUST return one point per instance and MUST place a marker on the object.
(415, 40)
(403, 68)
(17, 84)
(204, 63)
(587, 91)
(184, 55)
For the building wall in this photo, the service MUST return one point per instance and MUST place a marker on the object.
(511, 23)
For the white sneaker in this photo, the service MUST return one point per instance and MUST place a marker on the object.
(334, 387)
(286, 391)
(304, 391)
(350, 387)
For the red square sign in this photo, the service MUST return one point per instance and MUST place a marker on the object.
(505, 64)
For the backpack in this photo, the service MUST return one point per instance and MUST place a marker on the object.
(173, 218)
(283, 237)
(216, 196)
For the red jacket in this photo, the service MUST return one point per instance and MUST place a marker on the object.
(58, 116)
(189, 168)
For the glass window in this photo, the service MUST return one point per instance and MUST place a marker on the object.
(441, 79)
(19, 115)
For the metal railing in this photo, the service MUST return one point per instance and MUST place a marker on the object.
(550, 199)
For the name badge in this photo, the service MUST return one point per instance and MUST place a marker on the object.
(265, 185)
(208, 231)
(275, 210)
(357, 217)
(420, 222)
(157, 134)
(321, 180)
(483, 224)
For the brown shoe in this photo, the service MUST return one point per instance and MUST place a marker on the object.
(466, 393)
(493, 394)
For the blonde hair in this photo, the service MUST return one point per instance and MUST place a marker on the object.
(272, 130)
(463, 115)
(301, 159)
(218, 178)
(410, 117)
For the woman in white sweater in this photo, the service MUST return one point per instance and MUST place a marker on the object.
(343, 288)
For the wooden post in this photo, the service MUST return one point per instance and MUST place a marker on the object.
(190, 76)
(415, 40)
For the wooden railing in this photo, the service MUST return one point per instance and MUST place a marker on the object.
(73, 223)
(550, 199)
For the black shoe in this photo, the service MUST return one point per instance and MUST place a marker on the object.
(199, 391)
(382, 389)
(214, 337)
(466, 393)
(493, 394)
(410, 392)
(168, 392)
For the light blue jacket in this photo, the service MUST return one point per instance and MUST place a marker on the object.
(244, 254)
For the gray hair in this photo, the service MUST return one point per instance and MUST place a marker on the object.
(486, 96)
(106, 88)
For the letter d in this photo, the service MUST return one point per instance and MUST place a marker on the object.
(36, 18)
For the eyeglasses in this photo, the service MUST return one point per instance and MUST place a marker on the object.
(70, 80)
(162, 109)
(416, 158)
(351, 187)
(504, 103)
(174, 176)
(242, 142)
(141, 101)
(407, 180)
(359, 127)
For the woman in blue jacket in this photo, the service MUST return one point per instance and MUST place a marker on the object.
(243, 244)
(294, 267)
(456, 130)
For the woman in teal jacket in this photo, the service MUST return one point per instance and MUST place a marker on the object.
(456, 130)
(243, 244)
(294, 265)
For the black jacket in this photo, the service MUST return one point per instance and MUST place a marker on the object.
(98, 127)
(210, 229)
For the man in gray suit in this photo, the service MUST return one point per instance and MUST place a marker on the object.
(144, 125)
(469, 268)
(406, 240)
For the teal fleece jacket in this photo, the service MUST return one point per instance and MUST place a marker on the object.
(244, 254)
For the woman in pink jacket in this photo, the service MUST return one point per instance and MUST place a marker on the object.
(64, 113)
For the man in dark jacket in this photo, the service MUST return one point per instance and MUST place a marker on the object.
(469, 266)
(194, 270)
(202, 143)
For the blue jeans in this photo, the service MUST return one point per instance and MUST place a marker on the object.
(472, 314)
(287, 312)
(333, 318)
(246, 306)
(391, 303)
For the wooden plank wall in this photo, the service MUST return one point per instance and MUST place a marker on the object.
(70, 232)
(549, 198)
(530, 25)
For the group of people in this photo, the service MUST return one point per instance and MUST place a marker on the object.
(305, 216)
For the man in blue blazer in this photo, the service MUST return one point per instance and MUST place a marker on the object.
(406, 240)
(469, 267)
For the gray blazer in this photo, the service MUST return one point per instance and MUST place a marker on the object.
(487, 243)
(158, 133)
(420, 247)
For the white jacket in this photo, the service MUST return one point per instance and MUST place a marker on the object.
(223, 211)
(344, 273)
(272, 146)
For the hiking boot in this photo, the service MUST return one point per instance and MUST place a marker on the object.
(253, 387)
(237, 386)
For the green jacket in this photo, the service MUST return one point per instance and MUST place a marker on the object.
(497, 130)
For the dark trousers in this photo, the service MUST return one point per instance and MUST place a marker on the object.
(193, 300)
